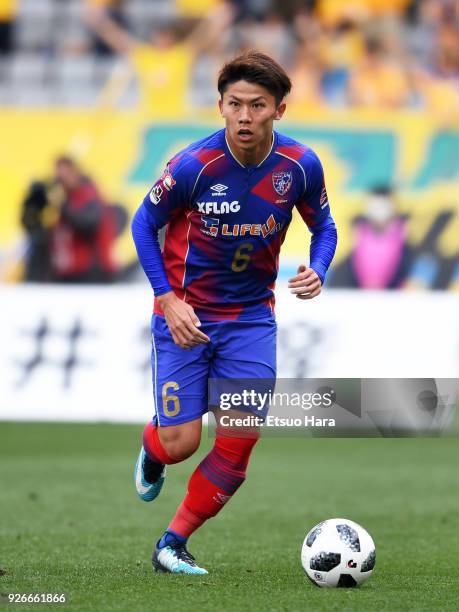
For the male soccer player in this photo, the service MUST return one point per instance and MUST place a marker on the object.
(227, 201)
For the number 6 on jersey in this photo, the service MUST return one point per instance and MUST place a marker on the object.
(241, 257)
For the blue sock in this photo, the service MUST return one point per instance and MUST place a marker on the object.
(170, 537)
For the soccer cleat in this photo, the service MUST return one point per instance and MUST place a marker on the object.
(175, 559)
(148, 491)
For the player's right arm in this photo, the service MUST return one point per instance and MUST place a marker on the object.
(167, 196)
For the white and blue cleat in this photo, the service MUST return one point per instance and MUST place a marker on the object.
(148, 491)
(175, 560)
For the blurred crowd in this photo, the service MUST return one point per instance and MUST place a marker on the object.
(377, 53)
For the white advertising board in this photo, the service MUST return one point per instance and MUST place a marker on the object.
(83, 353)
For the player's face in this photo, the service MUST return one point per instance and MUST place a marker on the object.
(249, 111)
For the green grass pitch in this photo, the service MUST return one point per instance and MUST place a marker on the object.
(70, 522)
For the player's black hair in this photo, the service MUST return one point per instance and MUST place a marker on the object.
(256, 67)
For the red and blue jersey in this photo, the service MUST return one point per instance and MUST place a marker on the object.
(226, 223)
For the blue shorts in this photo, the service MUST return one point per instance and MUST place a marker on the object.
(237, 350)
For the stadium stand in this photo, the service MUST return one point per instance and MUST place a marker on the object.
(413, 43)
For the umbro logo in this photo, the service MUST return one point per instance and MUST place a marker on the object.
(221, 499)
(219, 189)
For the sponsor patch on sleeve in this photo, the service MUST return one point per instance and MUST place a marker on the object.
(155, 194)
(165, 182)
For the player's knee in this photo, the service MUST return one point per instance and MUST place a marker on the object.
(180, 450)
(180, 445)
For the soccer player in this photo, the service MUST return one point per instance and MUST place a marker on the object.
(227, 201)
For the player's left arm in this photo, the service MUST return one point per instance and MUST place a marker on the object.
(315, 211)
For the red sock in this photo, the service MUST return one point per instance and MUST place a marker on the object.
(213, 483)
(153, 447)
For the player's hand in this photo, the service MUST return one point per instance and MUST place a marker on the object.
(181, 321)
(306, 284)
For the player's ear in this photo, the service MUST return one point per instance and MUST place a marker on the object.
(280, 111)
(220, 106)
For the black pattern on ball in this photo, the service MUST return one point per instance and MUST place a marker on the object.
(325, 561)
(346, 581)
(369, 562)
(314, 533)
(349, 536)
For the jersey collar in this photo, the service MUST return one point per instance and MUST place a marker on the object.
(231, 154)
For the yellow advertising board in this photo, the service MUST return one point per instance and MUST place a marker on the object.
(409, 151)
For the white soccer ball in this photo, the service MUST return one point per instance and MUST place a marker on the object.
(338, 553)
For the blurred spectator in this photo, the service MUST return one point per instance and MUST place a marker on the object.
(440, 95)
(306, 72)
(195, 8)
(422, 274)
(432, 265)
(333, 12)
(8, 12)
(433, 39)
(250, 10)
(81, 242)
(268, 34)
(410, 58)
(380, 255)
(341, 51)
(421, 24)
(454, 284)
(446, 54)
(35, 220)
(163, 64)
(377, 80)
(116, 11)
(306, 77)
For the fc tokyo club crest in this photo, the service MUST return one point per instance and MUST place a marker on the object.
(282, 181)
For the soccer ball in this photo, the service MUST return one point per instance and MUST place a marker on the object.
(338, 553)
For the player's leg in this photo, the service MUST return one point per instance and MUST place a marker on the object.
(180, 391)
(180, 399)
(215, 480)
(243, 351)
(211, 485)
(163, 446)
